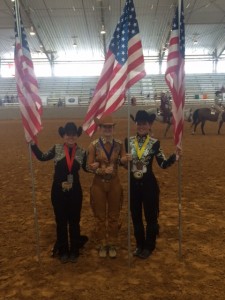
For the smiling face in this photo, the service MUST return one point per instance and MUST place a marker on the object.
(106, 130)
(143, 127)
(70, 139)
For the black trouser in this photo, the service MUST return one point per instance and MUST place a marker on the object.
(67, 209)
(145, 194)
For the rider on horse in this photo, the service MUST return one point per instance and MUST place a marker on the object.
(218, 105)
(165, 107)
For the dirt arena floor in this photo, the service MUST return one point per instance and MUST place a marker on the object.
(199, 273)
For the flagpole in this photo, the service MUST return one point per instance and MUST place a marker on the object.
(128, 182)
(180, 207)
(34, 206)
(17, 8)
(179, 168)
(18, 23)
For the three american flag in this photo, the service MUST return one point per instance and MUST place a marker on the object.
(175, 75)
(27, 86)
(123, 67)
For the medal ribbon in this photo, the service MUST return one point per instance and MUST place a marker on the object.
(141, 151)
(69, 160)
(108, 154)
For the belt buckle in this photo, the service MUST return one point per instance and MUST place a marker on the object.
(107, 177)
(66, 186)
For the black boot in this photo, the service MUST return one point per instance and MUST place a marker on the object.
(150, 241)
(82, 241)
(145, 253)
(55, 250)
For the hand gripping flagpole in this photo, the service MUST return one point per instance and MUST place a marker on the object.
(17, 13)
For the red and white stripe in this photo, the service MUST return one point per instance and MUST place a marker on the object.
(27, 88)
(175, 79)
(114, 81)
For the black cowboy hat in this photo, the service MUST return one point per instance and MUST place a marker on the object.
(143, 116)
(70, 129)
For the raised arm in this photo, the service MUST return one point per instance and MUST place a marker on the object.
(50, 154)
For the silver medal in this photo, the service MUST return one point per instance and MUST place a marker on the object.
(70, 178)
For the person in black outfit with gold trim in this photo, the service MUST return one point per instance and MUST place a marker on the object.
(144, 188)
(66, 193)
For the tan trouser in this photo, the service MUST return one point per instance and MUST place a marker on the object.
(106, 202)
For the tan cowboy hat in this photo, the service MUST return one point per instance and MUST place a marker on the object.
(105, 120)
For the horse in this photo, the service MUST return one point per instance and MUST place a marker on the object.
(201, 115)
(158, 117)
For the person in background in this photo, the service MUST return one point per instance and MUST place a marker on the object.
(66, 193)
(60, 102)
(165, 107)
(104, 155)
(218, 105)
(133, 101)
(133, 107)
(144, 188)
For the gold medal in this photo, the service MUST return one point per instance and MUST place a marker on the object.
(141, 150)
(138, 174)
(139, 168)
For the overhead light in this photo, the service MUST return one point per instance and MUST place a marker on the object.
(195, 42)
(103, 30)
(32, 32)
(75, 45)
(13, 0)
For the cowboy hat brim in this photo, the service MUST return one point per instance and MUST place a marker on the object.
(105, 120)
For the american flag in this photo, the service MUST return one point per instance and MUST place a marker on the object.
(123, 67)
(175, 75)
(27, 86)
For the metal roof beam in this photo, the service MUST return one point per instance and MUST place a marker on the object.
(103, 23)
(27, 12)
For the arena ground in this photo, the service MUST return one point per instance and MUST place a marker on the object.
(198, 274)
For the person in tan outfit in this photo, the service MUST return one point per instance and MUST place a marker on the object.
(104, 156)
